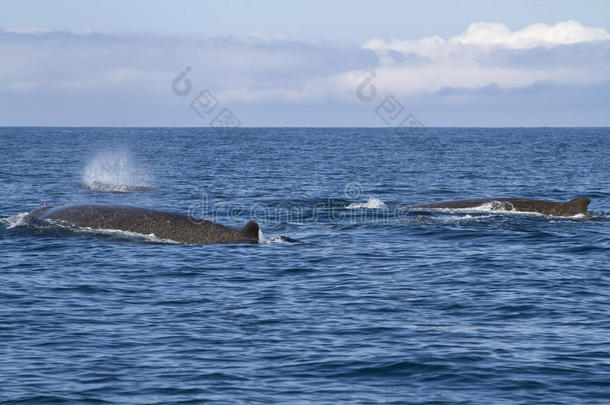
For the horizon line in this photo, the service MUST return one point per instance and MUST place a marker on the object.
(301, 127)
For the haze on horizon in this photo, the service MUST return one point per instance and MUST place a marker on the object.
(480, 63)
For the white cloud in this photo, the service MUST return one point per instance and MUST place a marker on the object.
(494, 35)
(481, 56)
(535, 35)
(253, 70)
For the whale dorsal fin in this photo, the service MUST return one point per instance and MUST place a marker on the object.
(40, 210)
(578, 205)
(250, 231)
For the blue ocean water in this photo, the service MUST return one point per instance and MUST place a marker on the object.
(352, 299)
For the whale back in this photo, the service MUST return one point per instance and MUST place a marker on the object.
(562, 209)
(570, 208)
(164, 225)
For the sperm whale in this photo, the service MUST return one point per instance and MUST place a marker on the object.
(164, 225)
(555, 208)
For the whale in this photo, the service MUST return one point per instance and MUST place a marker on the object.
(576, 206)
(164, 225)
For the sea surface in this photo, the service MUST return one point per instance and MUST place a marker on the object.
(352, 297)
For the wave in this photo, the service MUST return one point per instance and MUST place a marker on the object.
(14, 221)
(600, 215)
(276, 239)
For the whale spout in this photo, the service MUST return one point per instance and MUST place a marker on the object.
(116, 188)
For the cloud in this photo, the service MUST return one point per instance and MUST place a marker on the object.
(487, 35)
(241, 67)
(532, 36)
(128, 75)
(489, 53)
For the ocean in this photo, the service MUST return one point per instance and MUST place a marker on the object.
(351, 297)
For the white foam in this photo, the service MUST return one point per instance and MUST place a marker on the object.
(152, 238)
(111, 232)
(462, 218)
(502, 207)
(276, 239)
(125, 234)
(261, 236)
(486, 208)
(114, 170)
(372, 204)
(14, 221)
(580, 216)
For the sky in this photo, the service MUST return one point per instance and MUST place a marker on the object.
(314, 63)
